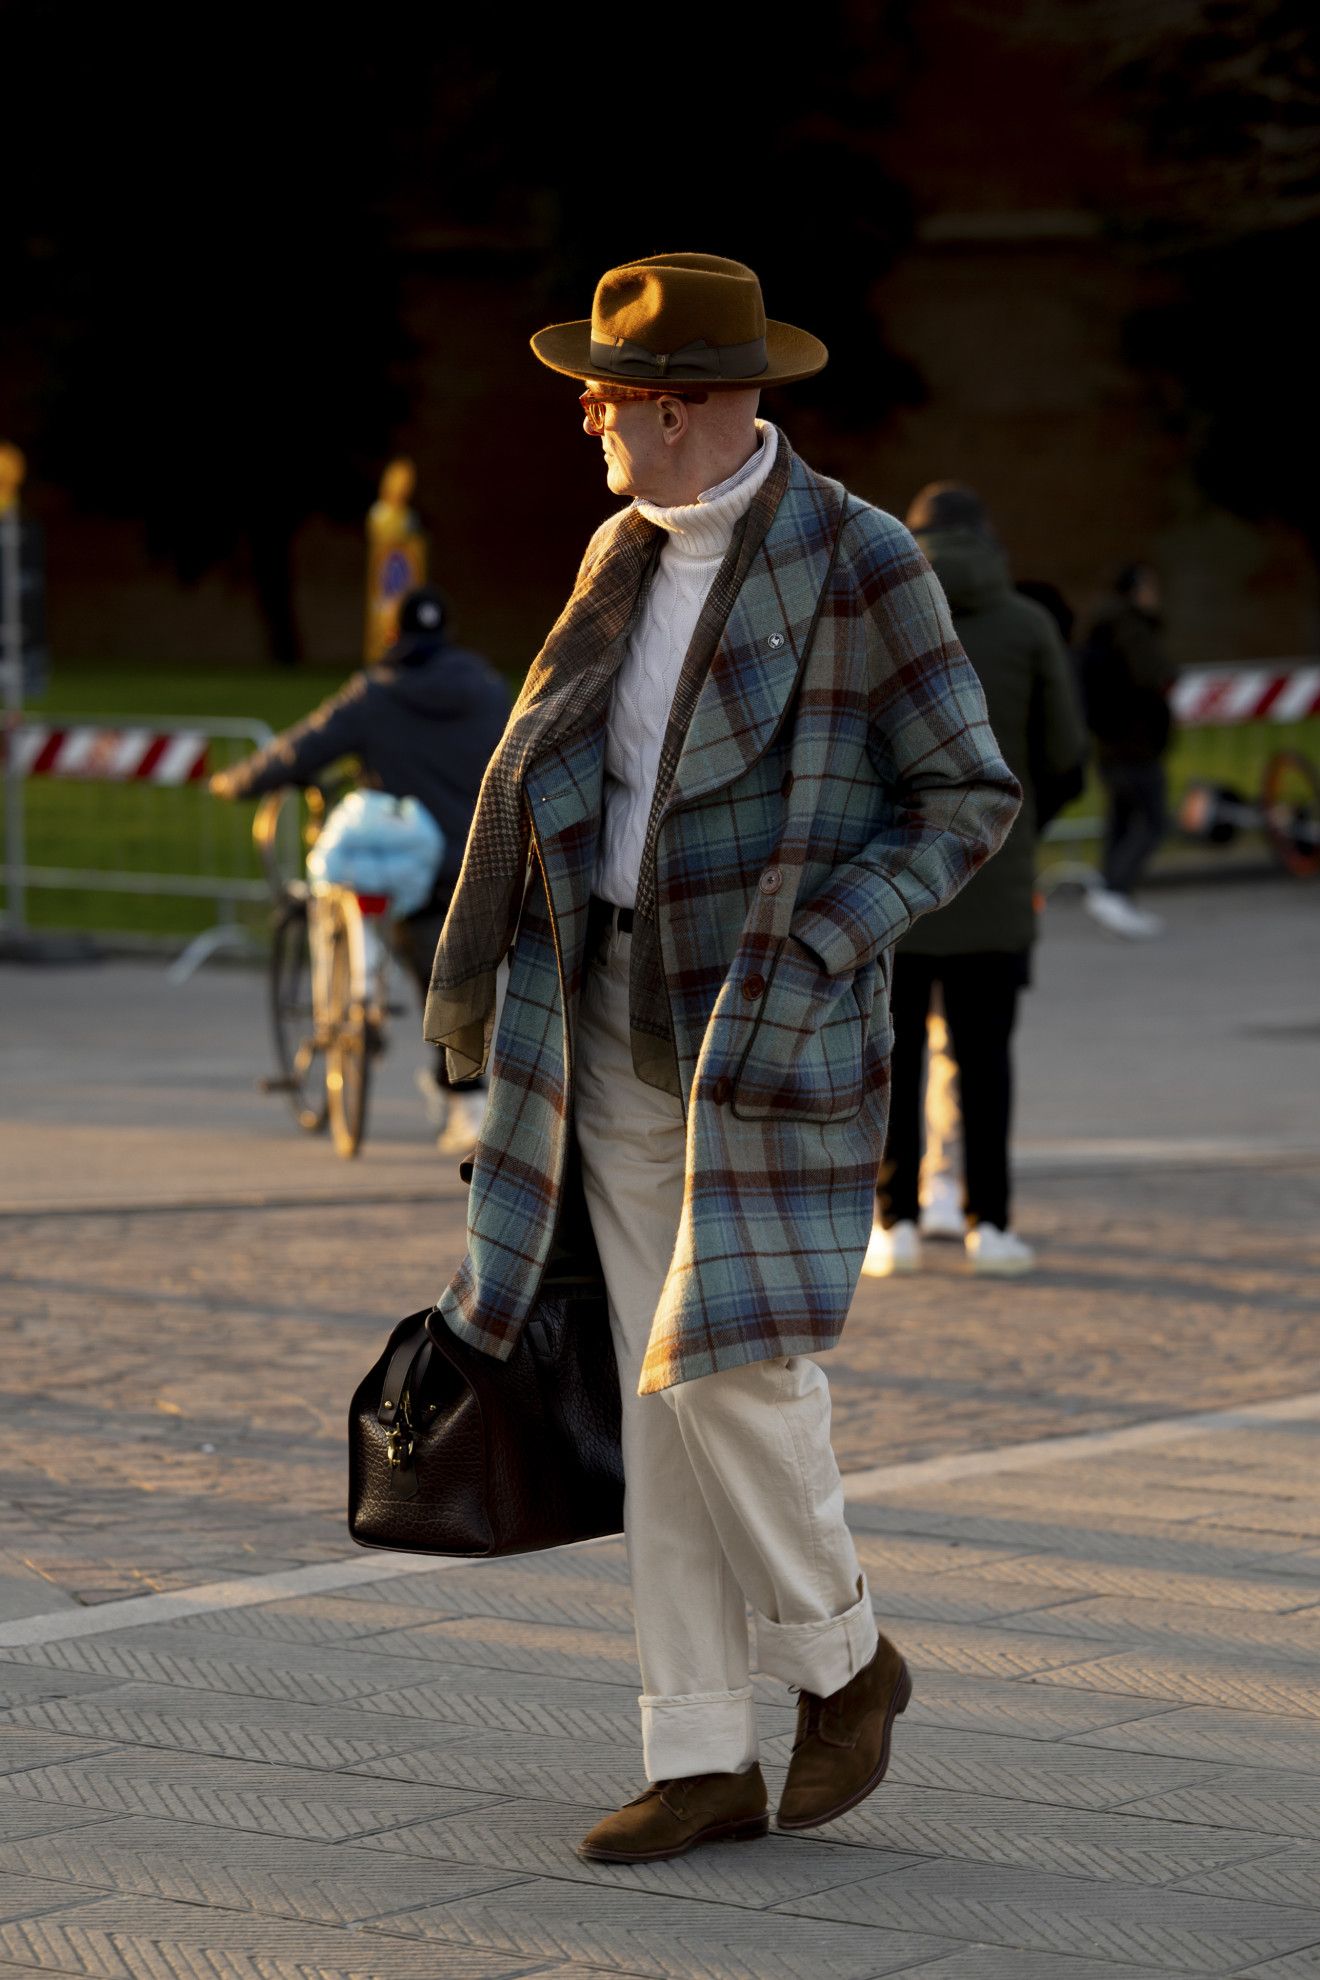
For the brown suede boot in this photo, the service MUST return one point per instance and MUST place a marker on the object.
(674, 1816)
(842, 1746)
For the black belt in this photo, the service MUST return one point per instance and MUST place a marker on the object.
(604, 918)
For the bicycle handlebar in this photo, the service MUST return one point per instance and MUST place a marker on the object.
(266, 827)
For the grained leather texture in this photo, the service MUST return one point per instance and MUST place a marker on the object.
(506, 1456)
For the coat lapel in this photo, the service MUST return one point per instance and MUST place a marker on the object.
(765, 642)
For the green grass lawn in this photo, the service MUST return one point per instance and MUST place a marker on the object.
(135, 829)
(1233, 757)
(277, 695)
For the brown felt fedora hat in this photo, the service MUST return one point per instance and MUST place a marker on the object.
(681, 319)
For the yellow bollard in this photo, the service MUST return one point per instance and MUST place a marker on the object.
(396, 557)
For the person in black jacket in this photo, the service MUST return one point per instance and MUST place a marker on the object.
(1126, 678)
(977, 949)
(423, 723)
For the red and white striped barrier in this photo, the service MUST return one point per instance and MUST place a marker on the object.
(116, 756)
(1214, 696)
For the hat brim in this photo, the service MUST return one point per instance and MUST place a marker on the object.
(792, 354)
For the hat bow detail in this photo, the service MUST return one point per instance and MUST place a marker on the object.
(622, 357)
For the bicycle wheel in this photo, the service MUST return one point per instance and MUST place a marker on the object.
(1290, 812)
(348, 1052)
(293, 1022)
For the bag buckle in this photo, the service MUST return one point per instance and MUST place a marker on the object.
(402, 1473)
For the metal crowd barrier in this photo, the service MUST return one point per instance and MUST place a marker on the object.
(104, 809)
(1230, 720)
(118, 808)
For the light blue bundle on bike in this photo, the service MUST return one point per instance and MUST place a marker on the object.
(372, 843)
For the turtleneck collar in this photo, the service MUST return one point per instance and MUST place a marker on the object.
(704, 528)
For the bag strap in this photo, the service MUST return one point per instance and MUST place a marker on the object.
(399, 1374)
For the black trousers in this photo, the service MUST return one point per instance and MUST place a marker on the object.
(414, 943)
(1135, 822)
(980, 1008)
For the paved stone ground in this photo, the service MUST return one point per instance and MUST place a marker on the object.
(1111, 1764)
(1112, 1761)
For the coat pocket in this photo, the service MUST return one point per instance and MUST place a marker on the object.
(803, 1059)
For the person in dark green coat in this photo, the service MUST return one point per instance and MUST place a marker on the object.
(978, 948)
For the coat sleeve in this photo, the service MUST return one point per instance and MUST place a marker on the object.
(337, 728)
(1057, 741)
(951, 797)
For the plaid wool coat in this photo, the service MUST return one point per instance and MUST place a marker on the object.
(829, 776)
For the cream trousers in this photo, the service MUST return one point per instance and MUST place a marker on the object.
(733, 1494)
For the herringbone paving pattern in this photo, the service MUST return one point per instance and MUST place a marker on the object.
(1110, 1769)
(1111, 1764)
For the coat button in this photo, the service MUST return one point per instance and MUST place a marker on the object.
(722, 1090)
(753, 988)
(771, 880)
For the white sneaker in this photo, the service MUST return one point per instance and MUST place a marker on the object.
(998, 1253)
(942, 1213)
(1117, 913)
(435, 1098)
(896, 1250)
(462, 1130)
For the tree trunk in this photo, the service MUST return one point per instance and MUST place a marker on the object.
(272, 578)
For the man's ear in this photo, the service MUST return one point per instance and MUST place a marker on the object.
(675, 420)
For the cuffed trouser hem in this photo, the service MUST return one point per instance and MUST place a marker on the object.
(816, 1656)
(707, 1733)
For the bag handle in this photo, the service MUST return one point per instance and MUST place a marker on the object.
(404, 1366)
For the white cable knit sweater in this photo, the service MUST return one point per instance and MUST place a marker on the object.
(698, 535)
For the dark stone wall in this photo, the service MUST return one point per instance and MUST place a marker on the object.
(1012, 303)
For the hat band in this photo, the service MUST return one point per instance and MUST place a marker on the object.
(619, 356)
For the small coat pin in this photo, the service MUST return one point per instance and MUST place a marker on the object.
(775, 641)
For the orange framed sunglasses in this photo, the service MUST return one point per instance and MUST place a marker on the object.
(593, 404)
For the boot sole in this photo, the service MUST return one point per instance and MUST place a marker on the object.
(750, 1831)
(898, 1703)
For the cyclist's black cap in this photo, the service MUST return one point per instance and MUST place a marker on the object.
(424, 613)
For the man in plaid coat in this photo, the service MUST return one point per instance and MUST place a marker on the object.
(750, 754)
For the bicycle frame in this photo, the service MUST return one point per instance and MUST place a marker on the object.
(346, 978)
(369, 956)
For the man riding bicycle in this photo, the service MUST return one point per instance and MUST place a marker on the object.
(422, 723)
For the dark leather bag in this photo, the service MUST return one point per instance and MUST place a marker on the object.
(454, 1452)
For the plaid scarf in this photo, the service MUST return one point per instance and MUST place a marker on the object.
(567, 690)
